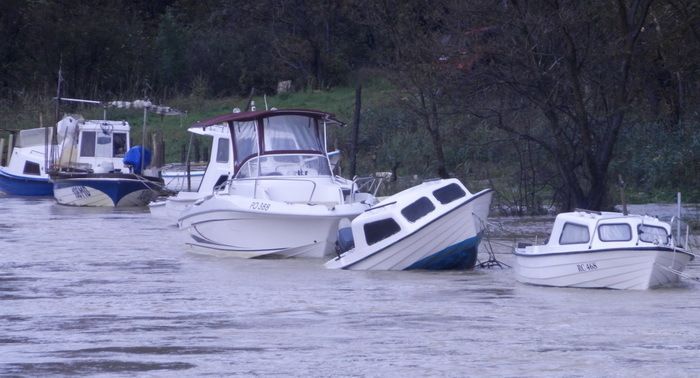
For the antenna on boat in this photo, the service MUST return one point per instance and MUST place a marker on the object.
(678, 213)
(622, 194)
(265, 98)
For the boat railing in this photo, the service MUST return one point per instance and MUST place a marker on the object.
(368, 184)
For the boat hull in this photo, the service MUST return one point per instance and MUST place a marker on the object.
(625, 268)
(449, 242)
(105, 190)
(24, 185)
(246, 227)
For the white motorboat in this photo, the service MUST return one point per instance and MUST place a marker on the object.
(590, 249)
(178, 177)
(435, 225)
(26, 173)
(283, 200)
(216, 174)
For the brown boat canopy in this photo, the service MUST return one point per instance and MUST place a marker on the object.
(249, 116)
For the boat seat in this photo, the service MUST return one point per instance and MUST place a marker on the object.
(345, 240)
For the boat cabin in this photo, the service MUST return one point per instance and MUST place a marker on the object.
(402, 214)
(583, 229)
(97, 146)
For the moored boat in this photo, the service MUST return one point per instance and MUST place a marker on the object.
(26, 173)
(589, 249)
(435, 225)
(283, 199)
(216, 173)
(97, 167)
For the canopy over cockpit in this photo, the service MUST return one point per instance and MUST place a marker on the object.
(278, 142)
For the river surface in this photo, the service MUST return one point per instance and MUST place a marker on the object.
(105, 292)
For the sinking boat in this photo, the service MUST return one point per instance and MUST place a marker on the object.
(26, 173)
(435, 225)
(215, 175)
(97, 167)
(283, 199)
(589, 249)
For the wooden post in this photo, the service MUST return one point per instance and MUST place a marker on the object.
(2, 147)
(355, 129)
(10, 146)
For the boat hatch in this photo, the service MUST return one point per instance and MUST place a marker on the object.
(573, 233)
(449, 193)
(417, 209)
(653, 234)
(379, 230)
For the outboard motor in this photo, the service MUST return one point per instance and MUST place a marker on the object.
(345, 240)
(132, 158)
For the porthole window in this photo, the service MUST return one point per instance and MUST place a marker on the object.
(615, 232)
(449, 193)
(653, 234)
(379, 230)
(418, 209)
(31, 168)
(574, 234)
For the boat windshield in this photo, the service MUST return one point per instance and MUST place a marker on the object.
(653, 234)
(291, 133)
(285, 165)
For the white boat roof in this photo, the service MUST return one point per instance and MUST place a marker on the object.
(214, 130)
(592, 218)
(426, 188)
(99, 125)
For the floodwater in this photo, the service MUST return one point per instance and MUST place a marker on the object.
(114, 293)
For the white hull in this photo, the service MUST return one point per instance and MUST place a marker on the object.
(246, 227)
(173, 206)
(457, 232)
(629, 268)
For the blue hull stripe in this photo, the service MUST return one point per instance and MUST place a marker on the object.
(457, 256)
(25, 186)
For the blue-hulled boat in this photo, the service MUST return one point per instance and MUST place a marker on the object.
(435, 225)
(26, 173)
(97, 167)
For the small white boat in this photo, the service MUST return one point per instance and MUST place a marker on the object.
(435, 225)
(283, 199)
(215, 175)
(26, 173)
(603, 250)
(177, 178)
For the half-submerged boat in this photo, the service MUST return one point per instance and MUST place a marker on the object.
(590, 249)
(435, 225)
(283, 200)
(216, 173)
(97, 167)
(26, 173)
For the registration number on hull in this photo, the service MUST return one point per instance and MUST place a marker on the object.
(262, 206)
(587, 267)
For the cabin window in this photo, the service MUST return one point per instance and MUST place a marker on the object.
(653, 234)
(87, 144)
(574, 234)
(614, 232)
(291, 133)
(103, 148)
(418, 209)
(246, 140)
(449, 193)
(222, 151)
(119, 144)
(379, 230)
(31, 168)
